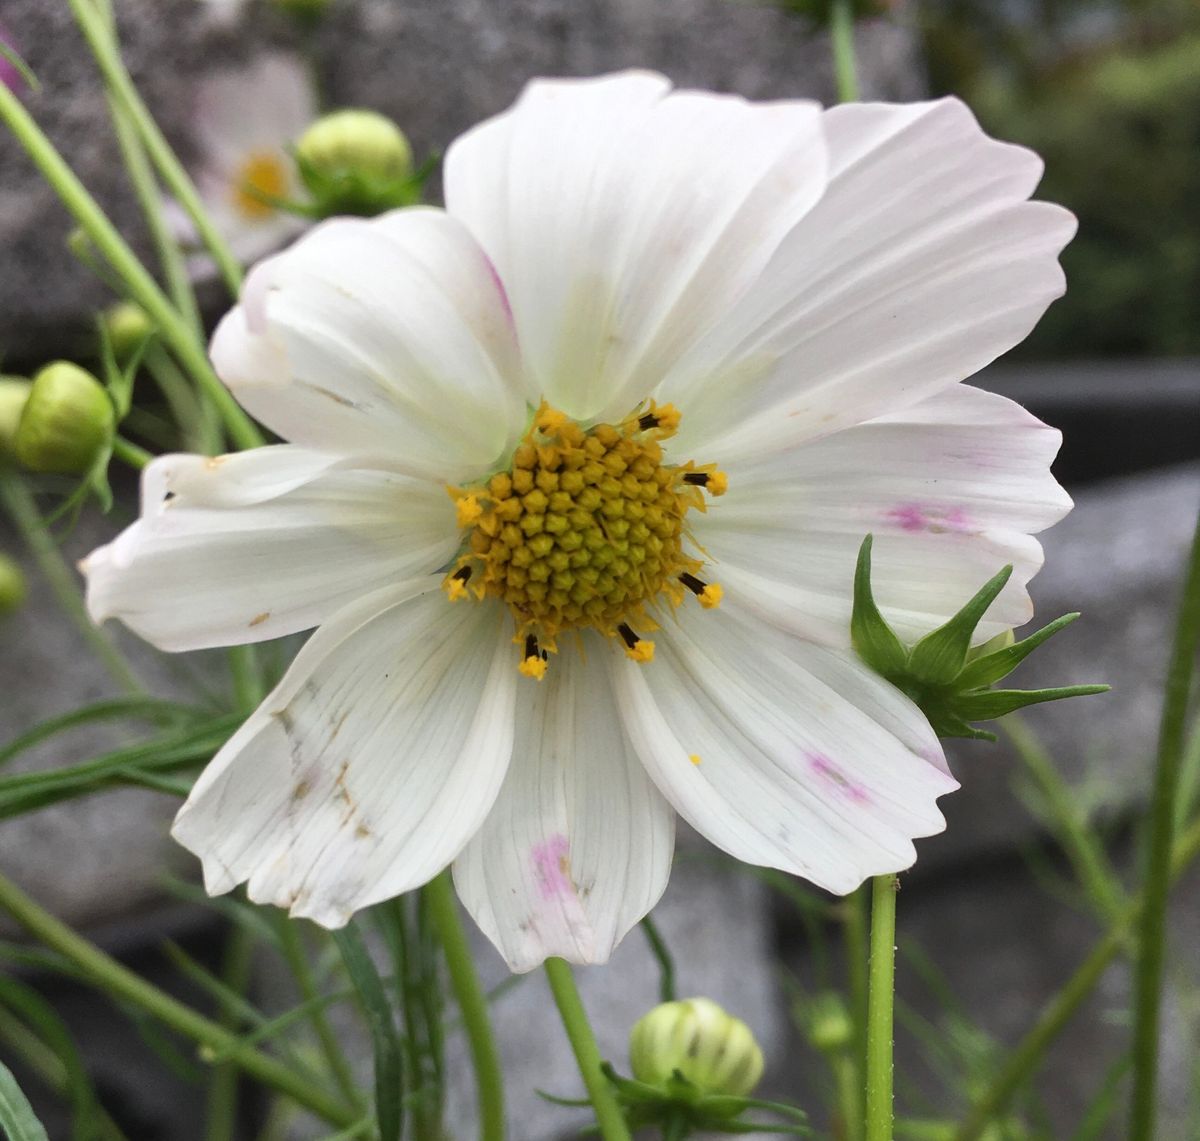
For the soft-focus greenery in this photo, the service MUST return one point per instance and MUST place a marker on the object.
(1109, 94)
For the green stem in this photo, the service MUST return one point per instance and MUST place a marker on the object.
(221, 1123)
(109, 976)
(138, 282)
(20, 505)
(1152, 928)
(841, 35)
(130, 453)
(847, 1080)
(662, 955)
(443, 911)
(195, 417)
(297, 961)
(1059, 1010)
(1087, 857)
(880, 1003)
(104, 49)
(247, 678)
(587, 1054)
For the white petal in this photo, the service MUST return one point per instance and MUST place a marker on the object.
(252, 546)
(951, 489)
(372, 763)
(387, 337)
(578, 846)
(624, 220)
(783, 753)
(921, 264)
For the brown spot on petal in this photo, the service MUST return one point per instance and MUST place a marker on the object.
(259, 619)
(301, 790)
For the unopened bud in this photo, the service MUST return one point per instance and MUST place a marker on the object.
(67, 419)
(713, 1050)
(14, 392)
(828, 1023)
(355, 161)
(128, 326)
(12, 586)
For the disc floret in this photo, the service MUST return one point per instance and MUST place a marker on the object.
(586, 528)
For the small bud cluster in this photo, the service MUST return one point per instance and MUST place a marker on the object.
(948, 679)
(66, 421)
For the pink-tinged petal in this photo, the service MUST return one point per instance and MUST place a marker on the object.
(922, 263)
(371, 764)
(951, 488)
(783, 753)
(625, 219)
(252, 546)
(578, 846)
(387, 337)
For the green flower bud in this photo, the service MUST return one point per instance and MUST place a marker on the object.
(12, 586)
(14, 392)
(713, 1050)
(128, 326)
(827, 1023)
(67, 419)
(356, 162)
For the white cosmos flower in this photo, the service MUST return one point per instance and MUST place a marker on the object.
(662, 293)
(244, 121)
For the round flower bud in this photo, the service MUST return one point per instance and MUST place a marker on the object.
(128, 325)
(12, 586)
(355, 162)
(67, 419)
(14, 392)
(713, 1050)
(828, 1024)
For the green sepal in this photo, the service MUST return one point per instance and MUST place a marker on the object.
(990, 668)
(872, 638)
(989, 703)
(939, 657)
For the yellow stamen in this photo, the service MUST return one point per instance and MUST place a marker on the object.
(718, 483)
(694, 758)
(467, 510)
(260, 173)
(710, 597)
(533, 667)
(641, 651)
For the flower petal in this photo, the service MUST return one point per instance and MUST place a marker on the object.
(371, 764)
(382, 337)
(252, 546)
(921, 264)
(624, 220)
(951, 489)
(578, 846)
(783, 753)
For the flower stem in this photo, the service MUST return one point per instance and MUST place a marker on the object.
(841, 35)
(130, 453)
(140, 284)
(575, 1021)
(1152, 927)
(106, 974)
(104, 48)
(19, 503)
(857, 957)
(443, 911)
(222, 1102)
(293, 953)
(880, 1001)
(1059, 1010)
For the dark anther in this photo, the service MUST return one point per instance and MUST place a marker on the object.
(531, 647)
(699, 478)
(695, 585)
(627, 634)
(648, 421)
(462, 574)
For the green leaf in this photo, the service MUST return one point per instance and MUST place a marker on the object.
(992, 667)
(17, 1118)
(938, 657)
(872, 638)
(385, 1042)
(997, 702)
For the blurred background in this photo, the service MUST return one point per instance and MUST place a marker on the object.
(991, 921)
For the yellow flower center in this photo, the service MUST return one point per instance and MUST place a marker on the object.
(585, 529)
(262, 174)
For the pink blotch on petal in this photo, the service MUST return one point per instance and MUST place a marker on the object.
(825, 768)
(552, 866)
(913, 517)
